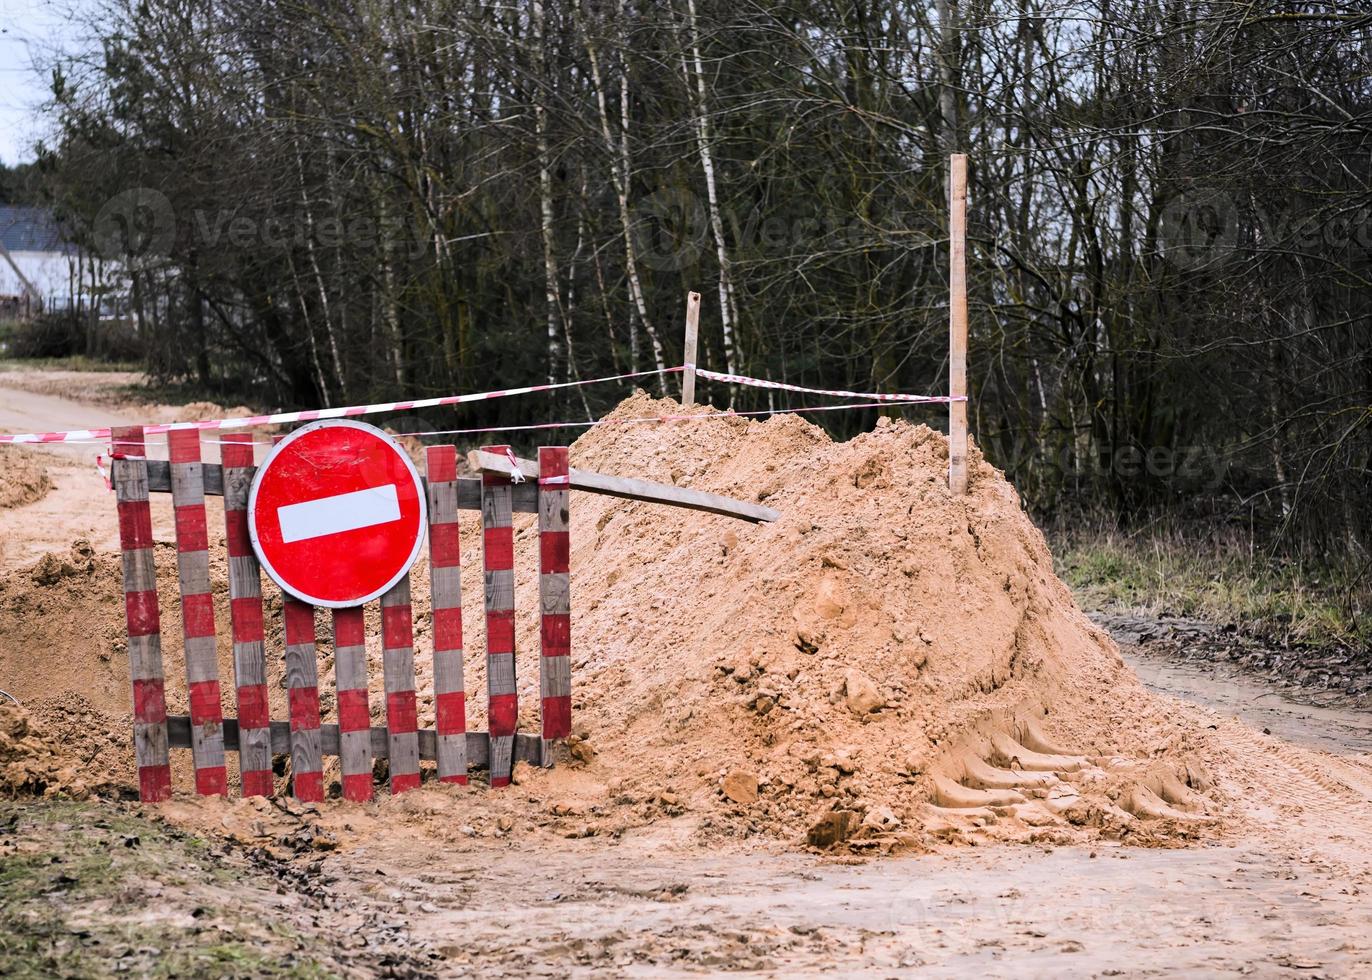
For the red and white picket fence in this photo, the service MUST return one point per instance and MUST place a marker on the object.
(253, 734)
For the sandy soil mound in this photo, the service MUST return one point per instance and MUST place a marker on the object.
(882, 646)
(34, 762)
(23, 477)
(886, 664)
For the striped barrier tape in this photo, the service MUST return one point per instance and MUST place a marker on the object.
(313, 415)
(741, 379)
(649, 419)
(875, 399)
(645, 420)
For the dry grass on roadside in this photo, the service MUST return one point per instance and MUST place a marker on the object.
(1219, 577)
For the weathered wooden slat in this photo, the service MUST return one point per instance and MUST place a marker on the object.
(397, 662)
(554, 593)
(197, 612)
(468, 487)
(245, 612)
(629, 488)
(502, 696)
(354, 711)
(142, 616)
(302, 693)
(445, 573)
(528, 748)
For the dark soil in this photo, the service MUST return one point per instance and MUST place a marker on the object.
(1332, 673)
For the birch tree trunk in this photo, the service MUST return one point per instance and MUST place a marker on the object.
(621, 169)
(700, 105)
(545, 190)
(321, 289)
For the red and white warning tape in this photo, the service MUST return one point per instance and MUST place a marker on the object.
(648, 419)
(740, 379)
(281, 418)
(872, 399)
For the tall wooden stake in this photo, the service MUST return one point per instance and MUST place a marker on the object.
(957, 323)
(688, 377)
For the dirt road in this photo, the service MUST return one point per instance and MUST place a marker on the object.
(638, 909)
(79, 505)
(1286, 895)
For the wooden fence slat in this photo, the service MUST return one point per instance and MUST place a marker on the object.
(554, 592)
(245, 612)
(197, 612)
(397, 659)
(354, 710)
(445, 568)
(302, 692)
(498, 558)
(130, 474)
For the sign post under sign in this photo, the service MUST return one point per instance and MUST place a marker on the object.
(337, 513)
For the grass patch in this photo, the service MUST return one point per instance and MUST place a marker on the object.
(88, 890)
(1219, 580)
(149, 392)
(75, 363)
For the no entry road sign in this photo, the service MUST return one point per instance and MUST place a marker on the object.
(336, 513)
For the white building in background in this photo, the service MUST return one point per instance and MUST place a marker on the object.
(39, 269)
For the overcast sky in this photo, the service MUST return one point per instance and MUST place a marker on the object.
(27, 28)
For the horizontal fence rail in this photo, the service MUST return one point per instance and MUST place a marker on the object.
(525, 495)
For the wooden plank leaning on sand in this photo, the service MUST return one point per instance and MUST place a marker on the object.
(628, 488)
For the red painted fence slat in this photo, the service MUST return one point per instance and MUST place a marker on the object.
(354, 711)
(129, 469)
(498, 558)
(245, 611)
(445, 588)
(397, 660)
(302, 693)
(197, 612)
(554, 592)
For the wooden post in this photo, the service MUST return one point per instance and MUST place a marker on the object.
(129, 468)
(957, 323)
(688, 377)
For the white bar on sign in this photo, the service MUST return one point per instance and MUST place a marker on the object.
(342, 512)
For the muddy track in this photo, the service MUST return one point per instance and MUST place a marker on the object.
(1305, 802)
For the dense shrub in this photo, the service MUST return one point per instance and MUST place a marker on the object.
(58, 334)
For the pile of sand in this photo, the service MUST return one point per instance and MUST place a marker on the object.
(881, 646)
(886, 663)
(23, 477)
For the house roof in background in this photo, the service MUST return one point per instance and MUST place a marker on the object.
(28, 229)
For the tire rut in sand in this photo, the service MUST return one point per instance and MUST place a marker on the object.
(1322, 803)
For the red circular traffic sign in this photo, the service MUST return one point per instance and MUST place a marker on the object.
(336, 513)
